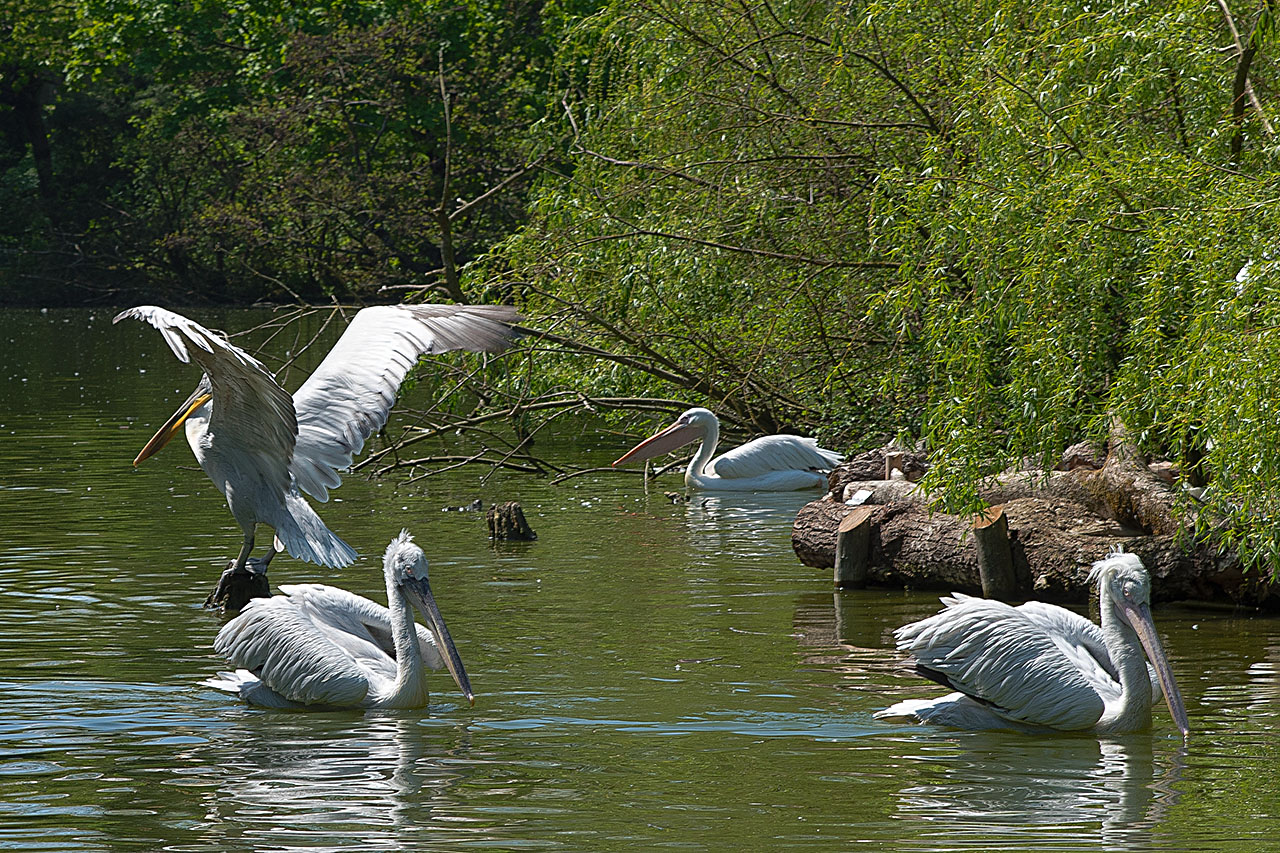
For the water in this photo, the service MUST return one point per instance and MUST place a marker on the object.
(648, 675)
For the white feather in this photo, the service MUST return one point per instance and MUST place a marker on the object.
(261, 446)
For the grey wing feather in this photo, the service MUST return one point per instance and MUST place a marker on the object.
(774, 453)
(281, 646)
(358, 617)
(990, 651)
(1075, 635)
(348, 397)
(249, 406)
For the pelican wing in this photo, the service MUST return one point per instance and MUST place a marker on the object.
(357, 617)
(774, 453)
(1005, 659)
(1077, 637)
(292, 655)
(250, 409)
(348, 397)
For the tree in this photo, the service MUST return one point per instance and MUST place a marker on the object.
(271, 150)
(992, 227)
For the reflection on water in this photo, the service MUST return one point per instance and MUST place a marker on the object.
(387, 779)
(1109, 793)
(648, 674)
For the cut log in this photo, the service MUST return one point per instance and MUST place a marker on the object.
(1056, 544)
(1060, 523)
(507, 521)
(853, 546)
(995, 559)
(813, 533)
(874, 465)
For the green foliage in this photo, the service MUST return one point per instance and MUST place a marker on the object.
(994, 227)
(268, 149)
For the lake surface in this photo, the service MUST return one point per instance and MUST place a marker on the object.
(648, 675)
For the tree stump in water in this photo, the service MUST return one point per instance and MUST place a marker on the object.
(506, 521)
(995, 559)
(236, 589)
(853, 546)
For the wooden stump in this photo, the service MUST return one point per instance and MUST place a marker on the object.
(853, 548)
(236, 589)
(506, 521)
(894, 460)
(995, 559)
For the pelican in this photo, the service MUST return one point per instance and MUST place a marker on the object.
(262, 447)
(1040, 667)
(774, 463)
(322, 647)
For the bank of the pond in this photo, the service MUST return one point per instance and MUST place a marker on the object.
(1046, 528)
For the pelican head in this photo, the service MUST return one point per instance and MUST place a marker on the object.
(692, 425)
(405, 567)
(1124, 589)
(199, 397)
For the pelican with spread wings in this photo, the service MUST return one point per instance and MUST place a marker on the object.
(263, 447)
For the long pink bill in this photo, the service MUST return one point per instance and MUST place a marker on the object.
(675, 436)
(1139, 616)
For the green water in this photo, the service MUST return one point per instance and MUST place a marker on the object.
(648, 676)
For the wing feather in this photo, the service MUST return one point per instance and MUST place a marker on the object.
(286, 650)
(774, 453)
(348, 397)
(250, 409)
(356, 615)
(998, 655)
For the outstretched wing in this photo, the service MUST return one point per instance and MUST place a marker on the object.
(348, 397)
(298, 660)
(992, 652)
(774, 453)
(250, 409)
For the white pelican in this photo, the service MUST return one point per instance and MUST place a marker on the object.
(774, 463)
(319, 646)
(1040, 667)
(262, 447)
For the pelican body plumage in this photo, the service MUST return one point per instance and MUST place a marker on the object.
(1039, 667)
(774, 463)
(321, 647)
(263, 447)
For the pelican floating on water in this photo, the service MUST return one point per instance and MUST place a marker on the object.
(263, 447)
(1039, 667)
(319, 646)
(774, 463)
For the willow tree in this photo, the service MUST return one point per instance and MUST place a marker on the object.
(997, 227)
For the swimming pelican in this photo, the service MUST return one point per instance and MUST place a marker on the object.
(1040, 667)
(774, 463)
(263, 447)
(319, 646)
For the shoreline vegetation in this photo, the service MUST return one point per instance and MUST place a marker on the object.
(989, 229)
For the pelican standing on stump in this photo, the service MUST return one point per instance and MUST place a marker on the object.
(774, 463)
(263, 447)
(1040, 667)
(322, 647)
